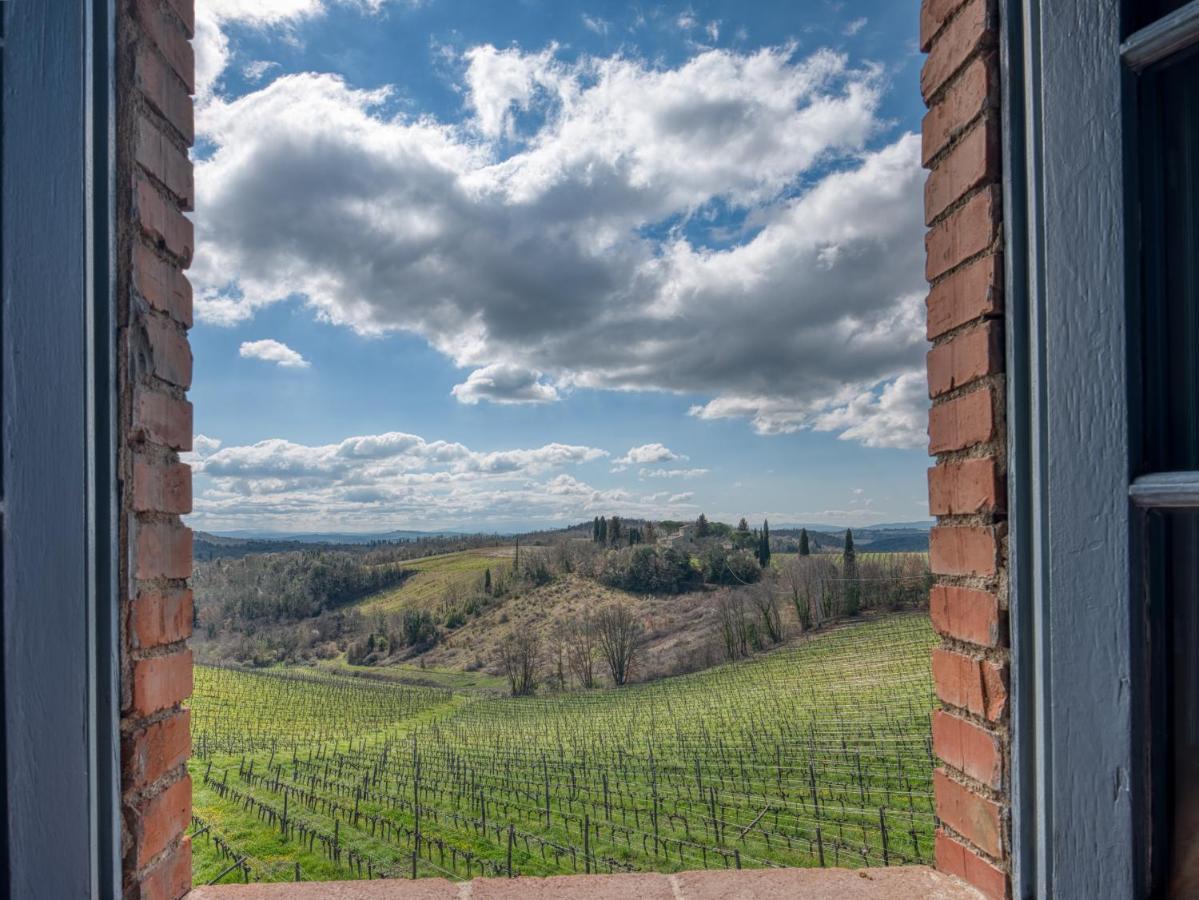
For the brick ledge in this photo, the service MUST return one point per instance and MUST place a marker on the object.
(894, 883)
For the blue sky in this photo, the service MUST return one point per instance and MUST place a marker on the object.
(509, 264)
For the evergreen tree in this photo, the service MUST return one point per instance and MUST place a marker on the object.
(487, 581)
(804, 549)
(743, 526)
(603, 530)
(516, 557)
(702, 529)
(849, 571)
(764, 545)
(614, 530)
(595, 529)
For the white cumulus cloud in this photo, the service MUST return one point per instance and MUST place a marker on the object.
(270, 350)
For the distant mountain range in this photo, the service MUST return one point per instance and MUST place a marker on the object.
(330, 537)
(922, 525)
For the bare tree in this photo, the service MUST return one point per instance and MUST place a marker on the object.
(580, 639)
(520, 658)
(619, 634)
(765, 603)
(737, 631)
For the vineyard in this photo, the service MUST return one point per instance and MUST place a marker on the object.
(815, 755)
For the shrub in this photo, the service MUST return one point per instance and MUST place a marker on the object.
(648, 570)
(733, 567)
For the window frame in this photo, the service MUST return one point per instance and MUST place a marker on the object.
(59, 651)
(1078, 737)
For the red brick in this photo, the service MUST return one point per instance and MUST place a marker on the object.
(966, 487)
(161, 157)
(973, 291)
(162, 284)
(961, 422)
(933, 14)
(966, 614)
(972, 29)
(972, 162)
(171, 355)
(967, 231)
(975, 818)
(169, 879)
(972, 750)
(170, 39)
(963, 550)
(161, 617)
(160, 682)
(161, 820)
(162, 488)
(151, 752)
(163, 223)
(164, 550)
(964, 359)
(162, 419)
(186, 11)
(165, 91)
(955, 858)
(976, 90)
(976, 685)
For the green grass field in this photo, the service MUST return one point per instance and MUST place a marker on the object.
(434, 574)
(815, 754)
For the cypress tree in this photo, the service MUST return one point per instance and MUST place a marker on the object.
(595, 529)
(701, 526)
(849, 567)
(487, 581)
(764, 545)
(804, 549)
(603, 530)
(614, 531)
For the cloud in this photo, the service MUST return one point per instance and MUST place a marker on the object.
(505, 384)
(646, 453)
(269, 350)
(397, 479)
(896, 416)
(673, 473)
(855, 26)
(256, 70)
(685, 497)
(596, 24)
(719, 228)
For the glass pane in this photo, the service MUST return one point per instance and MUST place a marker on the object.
(1170, 255)
(1146, 12)
(1174, 760)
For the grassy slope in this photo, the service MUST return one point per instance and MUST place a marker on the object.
(845, 712)
(434, 574)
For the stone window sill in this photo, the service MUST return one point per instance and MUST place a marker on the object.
(894, 883)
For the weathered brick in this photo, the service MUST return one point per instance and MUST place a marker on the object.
(163, 223)
(961, 422)
(161, 488)
(971, 292)
(966, 487)
(186, 11)
(933, 14)
(966, 614)
(171, 355)
(162, 284)
(971, 750)
(969, 230)
(161, 157)
(161, 820)
(162, 419)
(161, 682)
(955, 858)
(963, 550)
(165, 91)
(975, 818)
(161, 617)
(973, 162)
(976, 685)
(151, 752)
(972, 29)
(164, 550)
(966, 358)
(169, 879)
(169, 37)
(973, 92)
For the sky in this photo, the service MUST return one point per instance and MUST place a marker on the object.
(501, 265)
